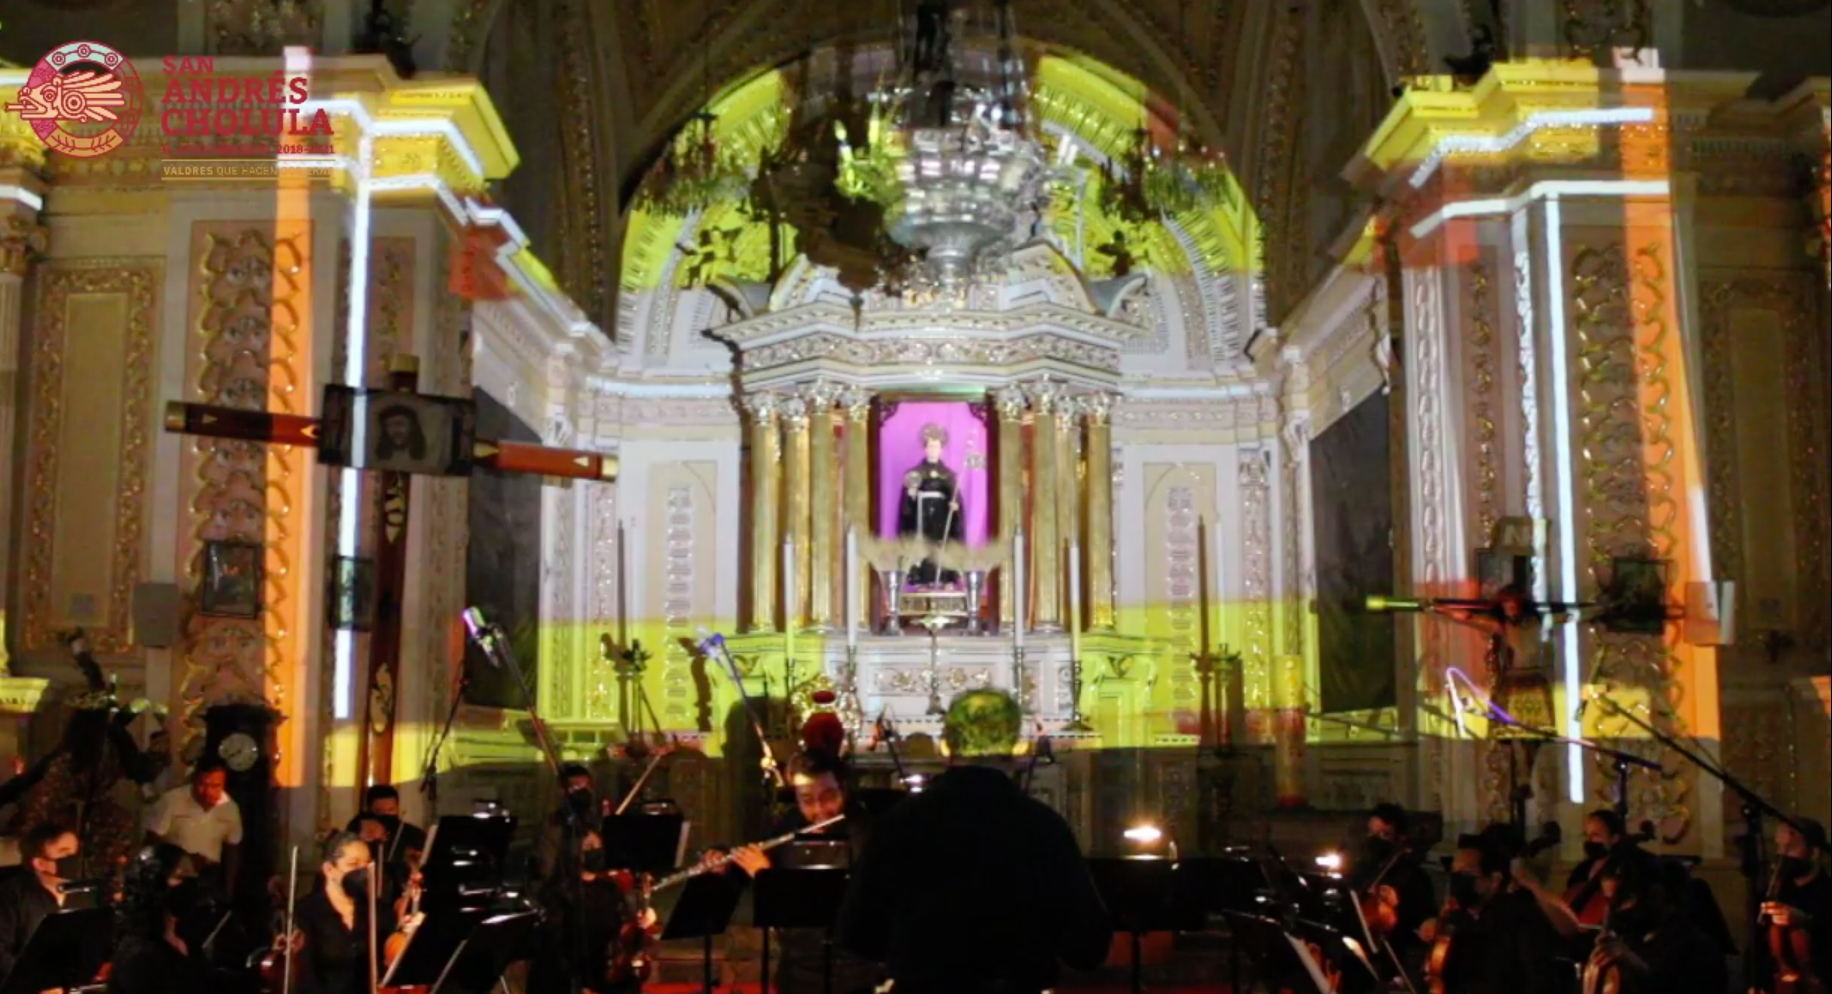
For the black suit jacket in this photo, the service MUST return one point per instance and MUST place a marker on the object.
(972, 882)
(24, 903)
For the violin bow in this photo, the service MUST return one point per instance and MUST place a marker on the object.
(375, 963)
(636, 788)
(292, 899)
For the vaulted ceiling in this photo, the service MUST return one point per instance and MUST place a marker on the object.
(1233, 69)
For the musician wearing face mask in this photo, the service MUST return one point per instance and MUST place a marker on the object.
(392, 841)
(575, 936)
(1803, 893)
(1648, 941)
(1499, 939)
(1604, 836)
(580, 813)
(30, 896)
(1388, 875)
(333, 922)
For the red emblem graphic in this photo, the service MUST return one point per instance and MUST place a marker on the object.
(83, 99)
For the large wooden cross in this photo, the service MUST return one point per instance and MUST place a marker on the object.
(376, 751)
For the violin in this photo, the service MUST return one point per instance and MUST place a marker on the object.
(1790, 948)
(1379, 900)
(391, 949)
(630, 960)
(409, 912)
(1437, 961)
(280, 966)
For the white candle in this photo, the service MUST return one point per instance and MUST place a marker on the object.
(1074, 600)
(852, 587)
(1017, 591)
(789, 612)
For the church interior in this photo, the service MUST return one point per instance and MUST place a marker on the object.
(1297, 406)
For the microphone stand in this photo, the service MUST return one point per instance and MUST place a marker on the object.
(1754, 808)
(429, 779)
(1622, 761)
(772, 771)
(495, 646)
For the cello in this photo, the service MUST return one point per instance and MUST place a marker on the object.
(1602, 974)
(1586, 899)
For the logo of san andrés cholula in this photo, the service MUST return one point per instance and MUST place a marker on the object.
(204, 113)
(83, 99)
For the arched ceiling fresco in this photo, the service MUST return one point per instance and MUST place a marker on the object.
(1084, 113)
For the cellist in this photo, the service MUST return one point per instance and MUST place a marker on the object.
(1605, 836)
(1802, 899)
(584, 921)
(1648, 942)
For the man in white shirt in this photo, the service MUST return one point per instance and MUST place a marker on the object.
(203, 820)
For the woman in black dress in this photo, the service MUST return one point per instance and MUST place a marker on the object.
(332, 922)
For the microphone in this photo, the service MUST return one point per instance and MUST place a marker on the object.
(710, 641)
(484, 634)
(1383, 604)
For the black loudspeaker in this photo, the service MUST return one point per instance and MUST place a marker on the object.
(155, 615)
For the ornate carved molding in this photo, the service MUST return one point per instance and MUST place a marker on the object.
(1619, 303)
(1792, 297)
(21, 244)
(137, 281)
(1481, 388)
(1256, 586)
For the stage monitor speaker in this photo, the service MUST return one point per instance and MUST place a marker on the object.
(1711, 613)
(155, 614)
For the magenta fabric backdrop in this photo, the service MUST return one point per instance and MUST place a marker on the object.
(900, 449)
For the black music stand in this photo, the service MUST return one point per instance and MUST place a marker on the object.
(1284, 963)
(64, 952)
(644, 843)
(801, 898)
(465, 854)
(479, 960)
(1215, 885)
(1350, 955)
(432, 947)
(1141, 894)
(704, 911)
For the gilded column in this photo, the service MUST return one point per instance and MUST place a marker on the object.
(856, 488)
(766, 460)
(795, 485)
(824, 508)
(1099, 550)
(1045, 539)
(20, 241)
(1011, 405)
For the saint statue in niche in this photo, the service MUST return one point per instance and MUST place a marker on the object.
(931, 505)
